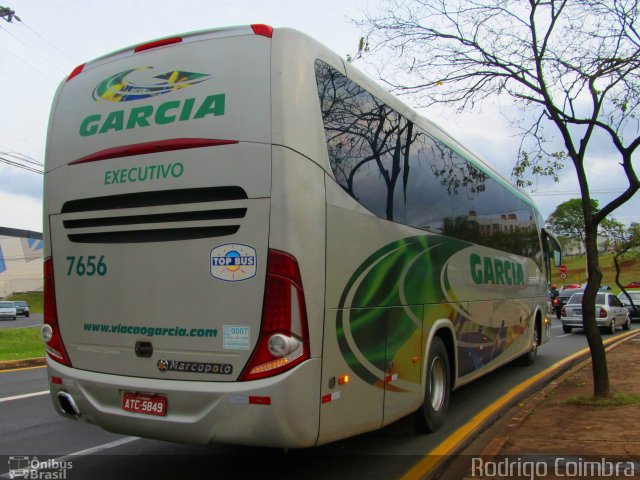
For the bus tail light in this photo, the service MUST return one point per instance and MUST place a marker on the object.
(50, 329)
(157, 43)
(75, 72)
(261, 29)
(284, 334)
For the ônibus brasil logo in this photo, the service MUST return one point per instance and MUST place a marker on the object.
(121, 88)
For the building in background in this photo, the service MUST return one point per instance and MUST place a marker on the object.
(20, 261)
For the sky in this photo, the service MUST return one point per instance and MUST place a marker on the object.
(57, 35)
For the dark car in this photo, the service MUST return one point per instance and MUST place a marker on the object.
(22, 308)
(635, 296)
(563, 299)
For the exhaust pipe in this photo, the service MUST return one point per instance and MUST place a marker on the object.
(68, 405)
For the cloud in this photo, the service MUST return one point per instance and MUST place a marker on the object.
(14, 180)
(19, 211)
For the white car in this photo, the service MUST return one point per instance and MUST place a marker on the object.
(610, 313)
(7, 310)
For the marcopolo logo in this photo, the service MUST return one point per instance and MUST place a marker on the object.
(165, 365)
(233, 262)
(124, 86)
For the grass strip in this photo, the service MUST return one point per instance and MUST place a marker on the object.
(21, 343)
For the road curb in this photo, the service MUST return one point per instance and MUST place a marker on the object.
(495, 446)
(24, 363)
(436, 460)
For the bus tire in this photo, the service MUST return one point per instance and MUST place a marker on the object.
(529, 358)
(431, 415)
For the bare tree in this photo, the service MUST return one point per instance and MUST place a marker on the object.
(572, 66)
(628, 241)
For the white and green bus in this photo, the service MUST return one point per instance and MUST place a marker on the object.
(248, 241)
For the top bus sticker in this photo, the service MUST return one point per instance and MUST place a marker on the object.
(233, 262)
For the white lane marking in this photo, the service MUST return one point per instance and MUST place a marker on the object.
(106, 446)
(26, 395)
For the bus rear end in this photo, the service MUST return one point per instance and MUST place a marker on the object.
(167, 314)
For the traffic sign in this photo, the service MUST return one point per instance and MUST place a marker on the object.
(563, 269)
(563, 276)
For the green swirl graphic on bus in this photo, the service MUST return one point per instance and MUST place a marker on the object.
(404, 287)
(124, 86)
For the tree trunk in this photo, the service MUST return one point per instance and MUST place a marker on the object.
(598, 354)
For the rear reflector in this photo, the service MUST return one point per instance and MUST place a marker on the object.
(152, 147)
(157, 43)
(261, 29)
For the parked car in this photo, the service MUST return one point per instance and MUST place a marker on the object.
(610, 313)
(22, 308)
(7, 310)
(635, 296)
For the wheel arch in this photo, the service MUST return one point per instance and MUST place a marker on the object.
(444, 329)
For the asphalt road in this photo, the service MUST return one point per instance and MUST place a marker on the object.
(22, 322)
(30, 427)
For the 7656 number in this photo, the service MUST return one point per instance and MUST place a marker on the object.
(89, 267)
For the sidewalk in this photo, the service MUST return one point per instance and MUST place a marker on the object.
(546, 436)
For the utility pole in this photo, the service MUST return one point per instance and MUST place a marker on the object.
(8, 15)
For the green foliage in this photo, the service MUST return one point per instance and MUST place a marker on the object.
(616, 399)
(538, 165)
(8, 15)
(614, 231)
(567, 220)
(20, 343)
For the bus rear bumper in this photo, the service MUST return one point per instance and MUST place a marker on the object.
(282, 411)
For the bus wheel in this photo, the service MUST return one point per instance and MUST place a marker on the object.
(431, 415)
(529, 358)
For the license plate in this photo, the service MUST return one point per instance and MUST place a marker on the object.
(144, 403)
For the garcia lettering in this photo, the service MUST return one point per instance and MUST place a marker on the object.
(146, 115)
(493, 271)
